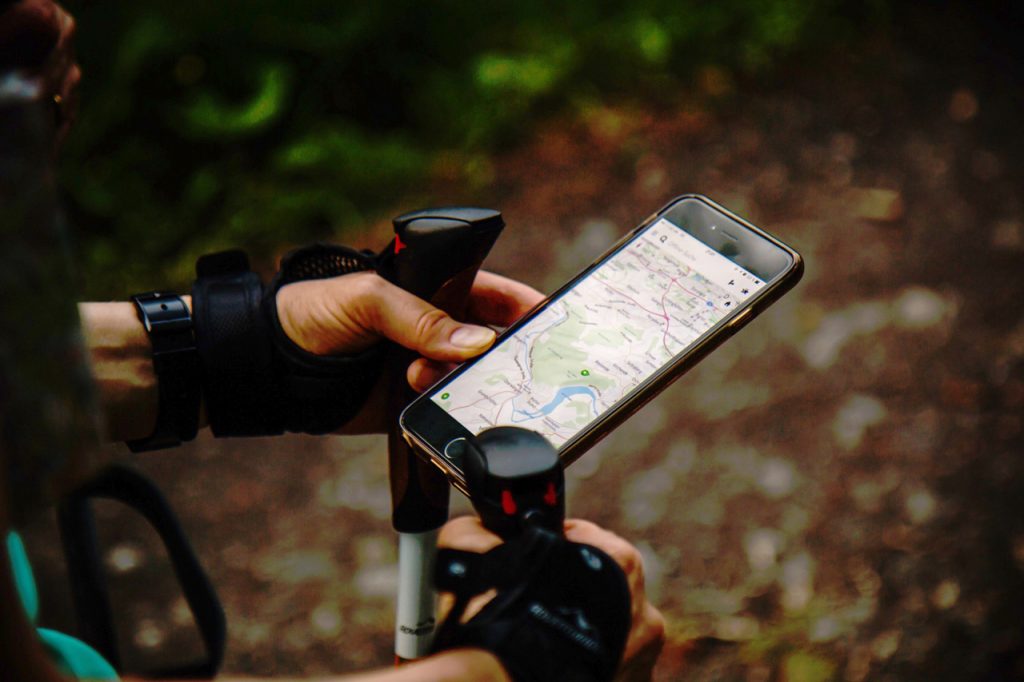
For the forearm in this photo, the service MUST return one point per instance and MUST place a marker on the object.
(121, 359)
(460, 665)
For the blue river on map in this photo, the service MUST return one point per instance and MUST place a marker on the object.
(563, 394)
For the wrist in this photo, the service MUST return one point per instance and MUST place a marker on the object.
(122, 366)
(120, 358)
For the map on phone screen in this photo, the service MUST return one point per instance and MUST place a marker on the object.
(601, 339)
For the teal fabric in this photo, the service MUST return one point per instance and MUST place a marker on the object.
(23, 580)
(76, 658)
(72, 656)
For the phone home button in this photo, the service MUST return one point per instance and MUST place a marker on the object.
(455, 448)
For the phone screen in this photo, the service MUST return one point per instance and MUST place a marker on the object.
(590, 347)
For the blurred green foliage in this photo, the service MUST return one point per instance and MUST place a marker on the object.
(262, 123)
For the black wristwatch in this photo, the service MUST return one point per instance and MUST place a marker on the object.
(168, 323)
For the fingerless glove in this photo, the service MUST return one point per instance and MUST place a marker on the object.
(256, 381)
(561, 614)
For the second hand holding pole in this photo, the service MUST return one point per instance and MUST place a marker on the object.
(435, 255)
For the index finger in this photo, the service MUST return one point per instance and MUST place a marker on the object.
(500, 300)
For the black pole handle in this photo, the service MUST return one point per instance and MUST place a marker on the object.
(436, 254)
(515, 481)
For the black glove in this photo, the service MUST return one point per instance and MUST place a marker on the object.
(256, 381)
(562, 612)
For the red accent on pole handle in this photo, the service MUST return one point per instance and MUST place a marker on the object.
(508, 504)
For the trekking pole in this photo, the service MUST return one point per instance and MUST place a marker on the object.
(516, 484)
(436, 254)
(556, 609)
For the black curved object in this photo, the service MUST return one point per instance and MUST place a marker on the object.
(88, 581)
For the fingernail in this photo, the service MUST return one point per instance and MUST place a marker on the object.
(472, 337)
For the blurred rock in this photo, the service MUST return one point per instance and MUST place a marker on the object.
(758, 673)
(1008, 235)
(645, 497)
(963, 394)
(885, 644)
(594, 237)
(858, 664)
(772, 183)
(250, 633)
(877, 204)
(654, 570)
(712, 601)
(822, 347)
(357, 489)
(762, 547)
(802, 666)
(125, 557)
(946, 594)
(149, 634)
(867, 495)
(918, 307)
(856, 415)
(843, 145)
(736, 628)
(797, 582)
(963, 105)
(296, 567)
(795, 519)
(777, 478)
(683, 455)
(706, 510)
(181, 614)
(728, 397)
(898, 536)
(985, 165)
(326, 621)
(652, 177)
(920, 506)
(377, 581)
(1017, 547)
(714, 81)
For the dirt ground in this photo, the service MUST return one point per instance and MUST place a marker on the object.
(836, 493)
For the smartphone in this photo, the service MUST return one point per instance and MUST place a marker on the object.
(612, 338)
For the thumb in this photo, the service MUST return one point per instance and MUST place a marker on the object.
(412, 322)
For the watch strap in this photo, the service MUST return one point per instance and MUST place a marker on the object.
(168, 323)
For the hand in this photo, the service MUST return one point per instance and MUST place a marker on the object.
(647, 634)
(38, 37)
(345, 315)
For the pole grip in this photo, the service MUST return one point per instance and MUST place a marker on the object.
(435, 255)
(515, 481)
